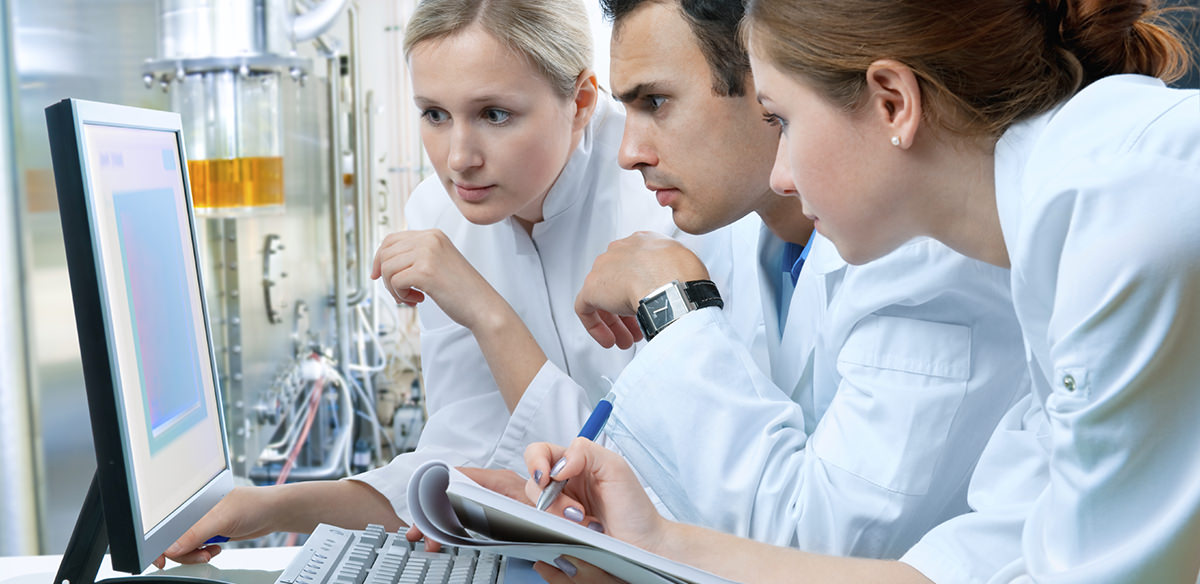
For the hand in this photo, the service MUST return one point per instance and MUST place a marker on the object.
(245, 513)
(573, 570)
(414, 264)
(503, 481)
(620, 277)
(603, 493)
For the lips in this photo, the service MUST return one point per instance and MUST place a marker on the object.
(665, 195)
(472, 193)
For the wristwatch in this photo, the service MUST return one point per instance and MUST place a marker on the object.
(666, 304)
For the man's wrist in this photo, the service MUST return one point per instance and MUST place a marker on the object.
(666, 304)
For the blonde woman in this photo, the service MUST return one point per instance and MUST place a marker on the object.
(527, 192)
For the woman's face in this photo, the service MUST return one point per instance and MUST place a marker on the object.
(496, 131)
(841, 164)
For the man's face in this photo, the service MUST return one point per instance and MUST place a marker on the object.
(708, 157)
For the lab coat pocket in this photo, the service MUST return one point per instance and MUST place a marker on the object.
(903, 381)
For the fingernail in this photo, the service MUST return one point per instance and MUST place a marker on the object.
(573, 514)
(537, 476)
(173, 550)
(558, 467)
(595, 526)
(565, 565)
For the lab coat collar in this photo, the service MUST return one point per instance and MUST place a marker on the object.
(573, 180)
(823, 258)
(822, 262)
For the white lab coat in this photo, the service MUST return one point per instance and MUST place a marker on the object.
(1099, 202)
(882, 391)
(592, 203)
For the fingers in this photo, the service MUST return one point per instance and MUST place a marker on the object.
(551, 574)
(593, 321)
(574, 570)
(540, 457)
(409, 296)
(414, 535)
(631, 324)
(191, 542)
(395, 260)
(621, 335)
(198, 556)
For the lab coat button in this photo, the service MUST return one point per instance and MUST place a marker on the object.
(1069, 382)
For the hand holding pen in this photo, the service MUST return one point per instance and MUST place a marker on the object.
(591, 429)
(603, 494)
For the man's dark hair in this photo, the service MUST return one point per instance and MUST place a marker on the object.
(715, 24)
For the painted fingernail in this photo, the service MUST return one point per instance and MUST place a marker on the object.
(565, 565)
(558, 467)
(537, 476)
(595, 526)
(573, 514)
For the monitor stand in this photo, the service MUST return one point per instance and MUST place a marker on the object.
(89, 541)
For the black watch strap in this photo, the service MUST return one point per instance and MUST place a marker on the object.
(669, 302)
(704, 293)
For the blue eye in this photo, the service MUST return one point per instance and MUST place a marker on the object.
(435, 116)
(655, 101)
(496, 116)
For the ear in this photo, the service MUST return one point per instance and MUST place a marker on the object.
(894, 99)
(587, 91)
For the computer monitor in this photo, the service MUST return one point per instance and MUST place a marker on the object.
(144, 338)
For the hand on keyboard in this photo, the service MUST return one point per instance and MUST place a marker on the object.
(413, 535)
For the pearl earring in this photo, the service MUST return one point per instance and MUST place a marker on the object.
(895, 140)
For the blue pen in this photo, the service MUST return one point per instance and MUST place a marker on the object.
(591, 429)
(216, 539)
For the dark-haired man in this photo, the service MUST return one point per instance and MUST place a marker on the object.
(884, 381)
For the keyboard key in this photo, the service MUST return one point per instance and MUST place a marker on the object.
(372, 556)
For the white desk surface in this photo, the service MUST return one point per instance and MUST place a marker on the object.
(241, 566)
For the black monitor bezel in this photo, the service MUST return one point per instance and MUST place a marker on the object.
(130, 550)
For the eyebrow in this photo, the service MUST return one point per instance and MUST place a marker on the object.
(637, 91)
(422, 101)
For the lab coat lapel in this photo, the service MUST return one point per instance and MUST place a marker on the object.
(805, 313)
(790, 349)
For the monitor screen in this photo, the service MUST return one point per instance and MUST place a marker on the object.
(149, 367)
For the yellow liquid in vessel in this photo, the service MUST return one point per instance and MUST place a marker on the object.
(229, 183)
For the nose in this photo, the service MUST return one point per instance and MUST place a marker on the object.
(636, 148)
(781, 173)
(465, 152)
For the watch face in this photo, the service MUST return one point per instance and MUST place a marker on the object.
(659, 309)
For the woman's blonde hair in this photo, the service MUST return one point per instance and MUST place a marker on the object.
(552, 34)
(981, 65)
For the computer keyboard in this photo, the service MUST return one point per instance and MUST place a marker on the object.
(333, 555)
